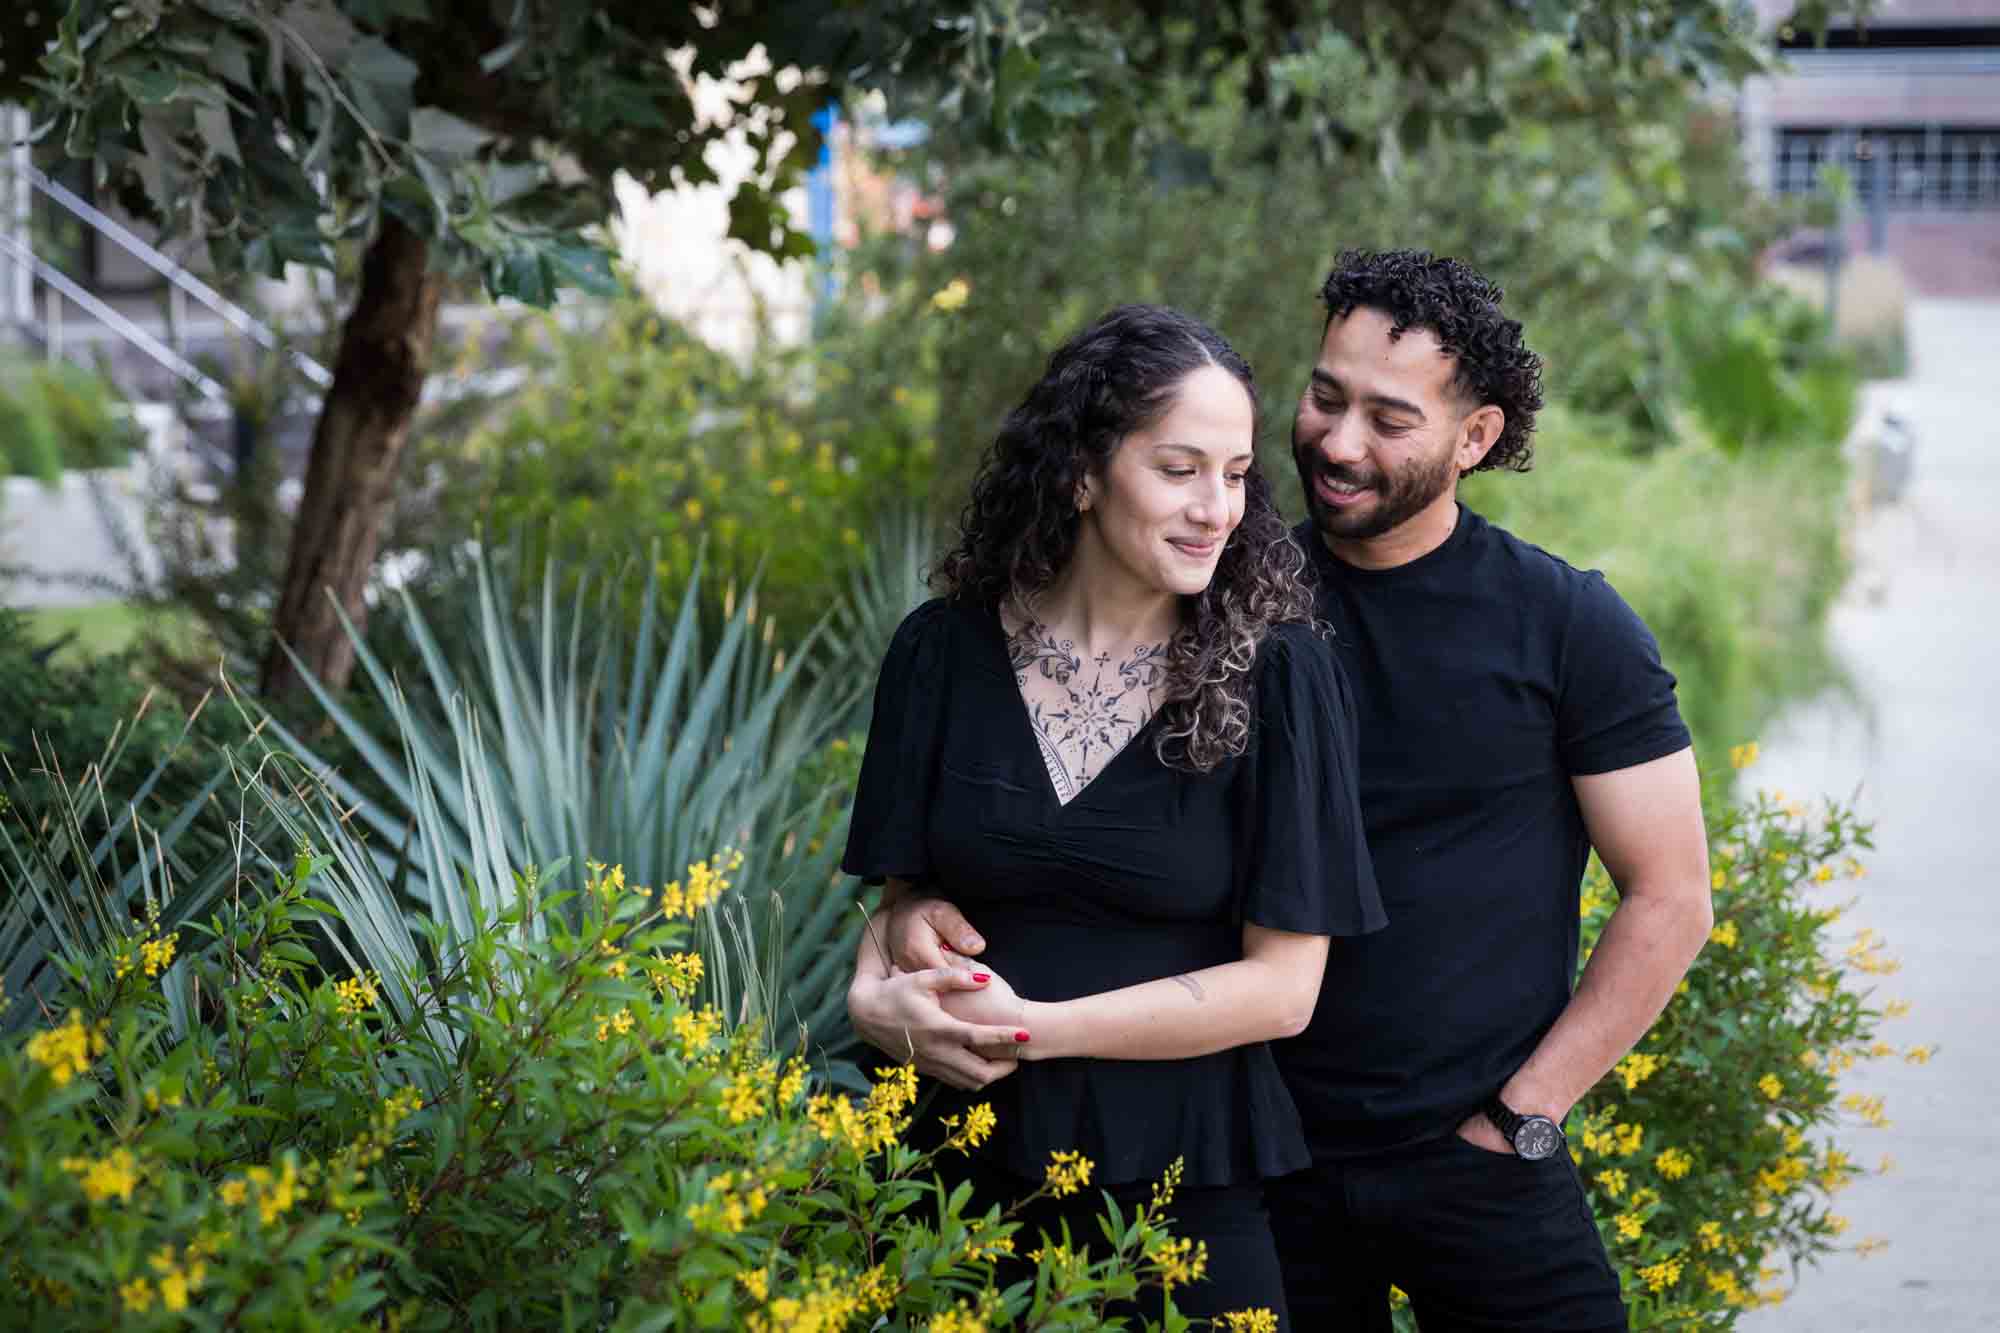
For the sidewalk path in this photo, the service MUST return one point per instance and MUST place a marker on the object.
(1920, 631)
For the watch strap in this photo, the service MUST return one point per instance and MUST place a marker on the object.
(1504, 1117)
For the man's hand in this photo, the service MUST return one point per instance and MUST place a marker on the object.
(903, 1016)
(1483, 1133)
(925, 933)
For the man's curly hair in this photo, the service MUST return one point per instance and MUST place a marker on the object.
(1019, 530)
(1419, 290)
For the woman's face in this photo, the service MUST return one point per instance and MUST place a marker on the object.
(1165, 505)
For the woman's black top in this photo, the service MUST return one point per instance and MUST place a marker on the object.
(1148, 872)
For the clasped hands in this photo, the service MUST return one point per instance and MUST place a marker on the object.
(958, 1021)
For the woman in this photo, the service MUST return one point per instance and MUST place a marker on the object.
(1116, 742)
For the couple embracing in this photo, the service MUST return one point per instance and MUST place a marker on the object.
(1261, 850)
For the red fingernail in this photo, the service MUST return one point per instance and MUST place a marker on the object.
(982, 977)
(1020, 1036)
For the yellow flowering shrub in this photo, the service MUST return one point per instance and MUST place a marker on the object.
(1711, 1154)
(520, 1136)
(1712, 1151)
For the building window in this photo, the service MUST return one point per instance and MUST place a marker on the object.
(1930, 168)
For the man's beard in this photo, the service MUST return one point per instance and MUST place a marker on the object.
(1399, 495)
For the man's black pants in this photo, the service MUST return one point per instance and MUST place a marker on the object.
(1481, 1241)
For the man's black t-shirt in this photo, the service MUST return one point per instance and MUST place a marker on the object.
(1486, 675)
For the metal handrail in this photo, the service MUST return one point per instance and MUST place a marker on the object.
(112, 316)
(232, 314)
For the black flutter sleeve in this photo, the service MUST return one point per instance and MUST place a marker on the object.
(1308, 866)
(892, 801)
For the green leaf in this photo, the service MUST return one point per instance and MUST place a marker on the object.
(380, 79)
(441, 135)
(212, 123)
(520, 275)
(585, 267)
(149, 84)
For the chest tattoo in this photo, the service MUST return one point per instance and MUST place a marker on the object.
(1083, 711)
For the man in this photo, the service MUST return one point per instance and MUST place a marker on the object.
(1513, 714)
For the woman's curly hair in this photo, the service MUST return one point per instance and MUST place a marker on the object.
(1419, 290)
(1019, 530)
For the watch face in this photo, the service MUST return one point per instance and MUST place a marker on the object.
(1537, 1138)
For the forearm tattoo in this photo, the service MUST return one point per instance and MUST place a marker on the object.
(1082, 712)
(1193, 988)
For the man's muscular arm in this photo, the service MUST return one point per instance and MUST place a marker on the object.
(1645, 822)
(896, 1009)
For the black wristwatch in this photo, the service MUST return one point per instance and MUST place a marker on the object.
(1534, 1137)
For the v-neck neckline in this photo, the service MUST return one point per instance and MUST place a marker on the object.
(1025, 725)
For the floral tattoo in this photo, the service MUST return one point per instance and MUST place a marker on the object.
(1083, 712)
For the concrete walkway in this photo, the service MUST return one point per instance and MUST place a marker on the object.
(1920, 632)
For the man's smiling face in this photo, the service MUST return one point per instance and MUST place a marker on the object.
(1380, 433)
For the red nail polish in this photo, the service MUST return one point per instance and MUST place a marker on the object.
(982, 977)
(1020, 1036)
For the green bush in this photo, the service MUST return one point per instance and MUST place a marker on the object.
(96, 710)
(514, 1136)
(59, 416)
(1709, 1151)
(641, 436)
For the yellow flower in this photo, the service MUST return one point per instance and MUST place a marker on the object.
(137, 1295)
(1718, 879)
(65, 1051)
(1836, 1223)
(1919, 1055)
(1630, 1225)
(1613, 1181)
(155, 956)
(1870, 1246)
(1822, 875)
(1629, 1137)
(275, 1195)
(977, 1128)
(233, 1193)
(693, 511)
(952, 296)
(354, 996)
(1744, 755)
(958, 1319)
(103, 1177)
(1254, 1320)
(743, 1099)
(1724, 934)
(1710, 1235)
(1660, 1276)
(1635, 1069)
(1068, 1172)
(683, 972)
(1673, 1163)
(756, 1281)
(1771, 1086)
(1180, 1262)
(1896, 1009)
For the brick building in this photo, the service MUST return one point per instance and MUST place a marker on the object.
(1910, 106)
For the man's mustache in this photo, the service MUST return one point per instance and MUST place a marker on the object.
(1343, 473)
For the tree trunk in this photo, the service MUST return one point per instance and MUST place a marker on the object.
(385, 350)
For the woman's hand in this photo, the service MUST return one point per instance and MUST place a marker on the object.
(909, 1016)
(994, 1006)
